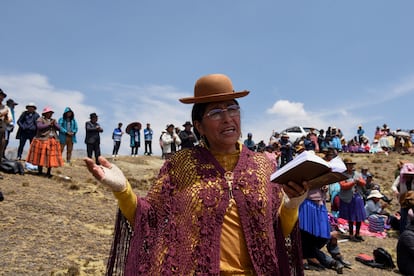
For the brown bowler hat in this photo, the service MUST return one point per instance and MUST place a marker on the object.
(213, 88)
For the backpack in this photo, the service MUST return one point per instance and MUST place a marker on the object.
(9, 166)
(367, 260)
(383, 257)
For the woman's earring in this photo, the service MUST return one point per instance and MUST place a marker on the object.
(203, 141)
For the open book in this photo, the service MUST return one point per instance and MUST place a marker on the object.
(307, 166)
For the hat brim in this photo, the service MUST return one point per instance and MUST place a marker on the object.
(374, 196)
(132, 125)
(215, 98)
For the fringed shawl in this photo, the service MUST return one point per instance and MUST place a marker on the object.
(178, 224)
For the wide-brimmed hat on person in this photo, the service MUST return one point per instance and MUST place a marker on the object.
(11, 102)
(133, 125)
(31, 105)
(375, 194)
(93, 115)
(188, 123)
(213, 88)
(47, 109)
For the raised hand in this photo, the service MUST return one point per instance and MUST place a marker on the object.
(107, 173)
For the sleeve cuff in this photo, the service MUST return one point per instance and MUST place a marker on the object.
(127, 201)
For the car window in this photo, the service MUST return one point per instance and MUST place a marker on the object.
(294, 129)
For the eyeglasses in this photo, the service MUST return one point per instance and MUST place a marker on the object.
(218, 113)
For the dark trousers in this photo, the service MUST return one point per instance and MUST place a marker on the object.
(148, 147)
(117, 144)
(93, 148)
(134, 150)
(2, 143)
(24, 136)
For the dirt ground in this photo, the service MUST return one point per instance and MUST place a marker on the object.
(63, 225)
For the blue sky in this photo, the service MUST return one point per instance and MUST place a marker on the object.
(313, 63)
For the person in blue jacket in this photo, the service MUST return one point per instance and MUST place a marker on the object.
(135, 141)
(67, 133)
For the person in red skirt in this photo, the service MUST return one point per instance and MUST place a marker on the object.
(45, 148)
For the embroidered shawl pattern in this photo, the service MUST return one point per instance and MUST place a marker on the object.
(178, 224)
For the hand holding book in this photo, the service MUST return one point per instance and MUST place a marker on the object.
(309, 167)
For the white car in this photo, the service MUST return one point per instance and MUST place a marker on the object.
(297, 132)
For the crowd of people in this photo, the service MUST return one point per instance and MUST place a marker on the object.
(356, 200)
(213, 209)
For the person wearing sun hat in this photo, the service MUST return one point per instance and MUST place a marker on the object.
(203, 213)
(27, 127)
(373, 205)
(45, 148)
(375, 212)
(351, 206)
(187, 136)
(402, 186)
(170, 141)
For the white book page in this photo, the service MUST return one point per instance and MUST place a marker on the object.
(337, 165)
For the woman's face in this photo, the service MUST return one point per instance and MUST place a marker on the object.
(48, 115)
(221, 126)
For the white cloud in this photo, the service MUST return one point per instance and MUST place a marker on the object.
(158, 105)
(286, 108)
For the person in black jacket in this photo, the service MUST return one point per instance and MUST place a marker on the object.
(93, 138)
(405, 250)
(27, 127)
(187, 136)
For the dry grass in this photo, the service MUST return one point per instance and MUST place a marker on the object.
(64, 227)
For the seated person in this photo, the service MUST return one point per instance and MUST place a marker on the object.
(405, 250)
(373, 206)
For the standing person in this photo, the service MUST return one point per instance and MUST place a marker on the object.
(27, 127)
(93, 138)
(117, 137)
(10, 126)
(323, 144)
(314, 138)
(212, 209)
(249, 143)
(360, 134)
(135, 140)
(170, 141)
(401, 186)
(187, 136)
(351, 206)
(67, 133)
(148, 139)
(5, 119)
(286, 149)
(45, 148)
